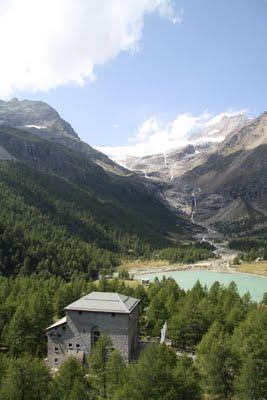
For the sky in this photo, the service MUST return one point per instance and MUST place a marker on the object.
(138, 74)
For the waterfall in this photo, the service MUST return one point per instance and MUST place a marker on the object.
(194, 205)
(163, 333)
(165, 159)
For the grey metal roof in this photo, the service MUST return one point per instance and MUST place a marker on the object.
(104, 302)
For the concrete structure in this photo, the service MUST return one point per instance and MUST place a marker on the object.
(96, 313)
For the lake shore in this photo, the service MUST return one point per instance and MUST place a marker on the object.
(222, 264)
(194, 267)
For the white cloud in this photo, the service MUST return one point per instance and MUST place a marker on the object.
(48, 43)
(154, 136)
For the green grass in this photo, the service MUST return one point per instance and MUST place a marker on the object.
(253, 267)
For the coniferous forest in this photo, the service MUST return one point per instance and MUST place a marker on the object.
(66, 223)
(221, 339)
(133, 200)
(56, 238)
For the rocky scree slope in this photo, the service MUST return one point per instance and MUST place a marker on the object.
(232, 183)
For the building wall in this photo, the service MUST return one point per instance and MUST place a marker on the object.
(57, 345)
(121, 328)
(133, 337)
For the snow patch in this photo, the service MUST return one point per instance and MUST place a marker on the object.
(35, 126)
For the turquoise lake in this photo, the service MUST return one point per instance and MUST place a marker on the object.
(253, 284)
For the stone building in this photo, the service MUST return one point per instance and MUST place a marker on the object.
(96, 313)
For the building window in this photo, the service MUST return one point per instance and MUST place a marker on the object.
(56, 349)
(80, 312)
(77, 346)
(70, 345)
(56, 360)
(113, 314)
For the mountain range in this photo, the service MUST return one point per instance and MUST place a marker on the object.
(45, 163)
(219, 178)
(44, 121)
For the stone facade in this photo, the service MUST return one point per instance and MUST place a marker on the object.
(76, 334)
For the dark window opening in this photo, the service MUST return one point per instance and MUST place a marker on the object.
(70, 345)
(56, 360)
(59, 335)
(77, 345)
(56, 349)
(113, 314)
(96, 336)
(80, 312)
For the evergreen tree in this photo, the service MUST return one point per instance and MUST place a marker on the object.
(158, 376)
(187, 379)
(70, 382)
(264, 299)
(19, 335)
(216, 362)
(250, 344)
(98, 366)
(115, 372)
(26, 378)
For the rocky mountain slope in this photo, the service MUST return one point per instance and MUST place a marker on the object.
(232, 183)
(42, 120)
(201, 144)
(219, 177)
(218, 128)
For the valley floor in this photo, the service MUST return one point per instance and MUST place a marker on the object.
(259, 268)
(223, 263)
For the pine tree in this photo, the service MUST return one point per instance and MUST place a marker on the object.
(158, 376)
(26, 378)
(250, 344)
(70, 382)
(115, 372)
(98, 362)
(216, 362)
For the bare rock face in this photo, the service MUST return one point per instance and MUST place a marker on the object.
(220, 176)
(217, 131)
(174, 163)
(44, 121)
(232, 183)
(250, 136)
(169, 165)
(36, 117)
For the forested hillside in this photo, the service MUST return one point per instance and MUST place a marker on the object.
(61, 213)
(48, 224)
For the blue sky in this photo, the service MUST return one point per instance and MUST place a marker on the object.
(215, 60)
